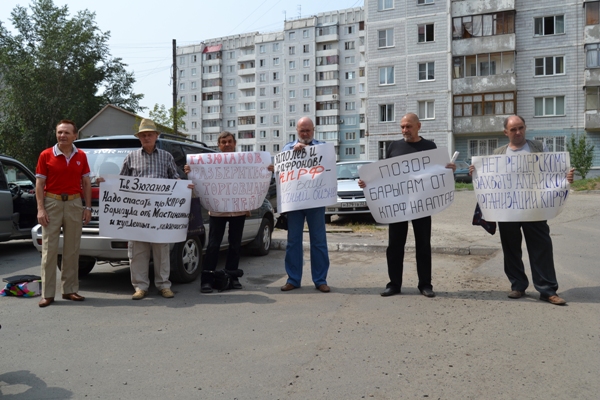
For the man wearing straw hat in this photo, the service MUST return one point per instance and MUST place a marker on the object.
(149, 162)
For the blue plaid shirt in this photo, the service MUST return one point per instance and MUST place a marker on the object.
(158, 164)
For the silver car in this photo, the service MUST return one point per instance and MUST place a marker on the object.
(351, 198)
(105, 156)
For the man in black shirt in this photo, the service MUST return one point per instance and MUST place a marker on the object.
(398, 231)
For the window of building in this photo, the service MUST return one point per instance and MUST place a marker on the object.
(262, 48)
(262, 147)
(262, 77)
(291, 137)
(194, 98)
(350, 90)
(426, 109)
(262, 105)
(383, 5)
(306, 63)
(306, 92)
(292, 50)
(275, 76)
(361, 87)
(502, 103)
(275, 46)
(230, 82)
(550, 66)
(194, 125)
(425, 2)
(231, 109)
(292, 108)
(276, 61)
(292, 64)
(231, 55)
(247, 147)
(262, 62)
(306, 48)
(362, 149)
(305, 33)
(592, 13)
(261, 120)
(549, 106)
(350, 151)
(592, 55)
(554, 25)
(194, 71)
(292, 79)
(592, 98)
(275, 105)
(275, 148)
(276, 120)
(349, 45)
(262, 134)
(386, 113)
(483, 64)
(349, 29)
(231, 123)
(276, 90)
(231, 68)
(194, 84)
(554, 143)
(427, 71)
(181, 60)
(306, 77)
(425, 33)
(350, 105)
(350, 75)
(292, 123)
(292, 35)
(292, 94)
(194, 58)
(182, 86)
(482, 147)
(483, 25)
(386, 75)
(306, 108)
(276, 133)
(194, 111)
(350, 135)
(386, 37)
(349, 60)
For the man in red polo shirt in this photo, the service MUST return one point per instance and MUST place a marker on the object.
(61, 174)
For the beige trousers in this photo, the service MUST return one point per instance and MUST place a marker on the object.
(139, 265)
(67, 215)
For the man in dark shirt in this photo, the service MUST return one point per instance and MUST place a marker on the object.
(398, 231)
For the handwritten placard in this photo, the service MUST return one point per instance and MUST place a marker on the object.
(408, 187)
(144, 209)
(306, 178)
(230, 182)
(521, 187)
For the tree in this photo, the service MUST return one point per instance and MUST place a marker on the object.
(160, 115)
(55, 67)
(582, 154)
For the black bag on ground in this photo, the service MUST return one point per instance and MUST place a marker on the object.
(21, 278)
(282, 222)
(223, 278)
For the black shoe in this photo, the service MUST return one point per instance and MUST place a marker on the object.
(390, 291)
(428, 293)
(206, 288)
(235, 283)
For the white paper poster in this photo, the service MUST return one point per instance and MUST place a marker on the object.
(521, 187)
(306, 178)
(144, 209)
(408, 187)
(230, 182)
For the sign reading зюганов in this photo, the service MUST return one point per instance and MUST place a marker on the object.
(230, 182)
(408, 187)
(144, 209)
(306, 178)
(521, 187)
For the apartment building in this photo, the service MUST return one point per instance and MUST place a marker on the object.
(257, 85)
(461, 65)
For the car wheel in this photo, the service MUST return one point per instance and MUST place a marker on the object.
(186, 260)
(328, 218)
(86, 264)
(262, 242)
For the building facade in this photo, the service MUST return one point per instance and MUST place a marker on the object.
(461, 65)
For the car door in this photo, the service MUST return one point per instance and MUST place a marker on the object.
(6, 206)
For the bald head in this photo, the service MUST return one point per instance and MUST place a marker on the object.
(305, 129)
(410, 126)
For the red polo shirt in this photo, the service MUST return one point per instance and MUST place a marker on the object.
(62, 175)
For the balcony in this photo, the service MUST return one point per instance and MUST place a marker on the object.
(327, 53)
(328, 128)
(246, 57)
(212, 116)
(246, 71)
(207, 63)
(327, 97)
(481, 45)
(460, 8)
(325, 68)
(208, 103)
(592, 76)
(211, 129)
(333, 37)
(591, 34)
(246, 99)
(485, 84)
(592, 120)
(479, 124)
(328, 82)
(327, 113)
(246, 127)
(246, 85)
(210, 89)
(212, 75)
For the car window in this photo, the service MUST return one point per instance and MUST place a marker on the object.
(14, 174)
(348, 171)
(106, 161)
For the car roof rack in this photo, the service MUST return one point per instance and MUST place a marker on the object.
(181, 139)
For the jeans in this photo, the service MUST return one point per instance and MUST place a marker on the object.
(395, 252)
(319, 256)
(215, 237)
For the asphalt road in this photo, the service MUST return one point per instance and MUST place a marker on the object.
(470, 342)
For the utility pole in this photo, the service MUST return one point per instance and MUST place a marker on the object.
(175, 71)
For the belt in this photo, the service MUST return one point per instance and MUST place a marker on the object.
(63, 196)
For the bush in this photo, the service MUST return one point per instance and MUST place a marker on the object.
(582, 154)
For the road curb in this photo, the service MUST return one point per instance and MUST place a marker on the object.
(280, 244)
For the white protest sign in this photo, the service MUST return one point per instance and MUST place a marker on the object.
(144, 209)
(230, 182)
(408, 187)
(521, 187)
(306, 178)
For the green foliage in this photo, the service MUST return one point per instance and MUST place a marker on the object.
(55, 67)
(160, 115)
(586, 184)
(581, 152)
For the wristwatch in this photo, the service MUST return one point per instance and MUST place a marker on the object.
(88, 208)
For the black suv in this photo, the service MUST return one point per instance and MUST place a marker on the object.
(105, 155)
(18, 207)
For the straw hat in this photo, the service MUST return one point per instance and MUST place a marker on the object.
(147, 125)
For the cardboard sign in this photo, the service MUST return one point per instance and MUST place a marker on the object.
(144, 209)
(230, 182)
(408, 187)
(306, 178)
(521, 187)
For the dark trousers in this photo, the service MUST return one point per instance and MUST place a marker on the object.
(395, 252)
(541, 258)
(216, 231)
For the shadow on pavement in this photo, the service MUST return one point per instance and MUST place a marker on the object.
(25, 385)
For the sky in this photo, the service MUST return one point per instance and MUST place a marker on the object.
(142, 32)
